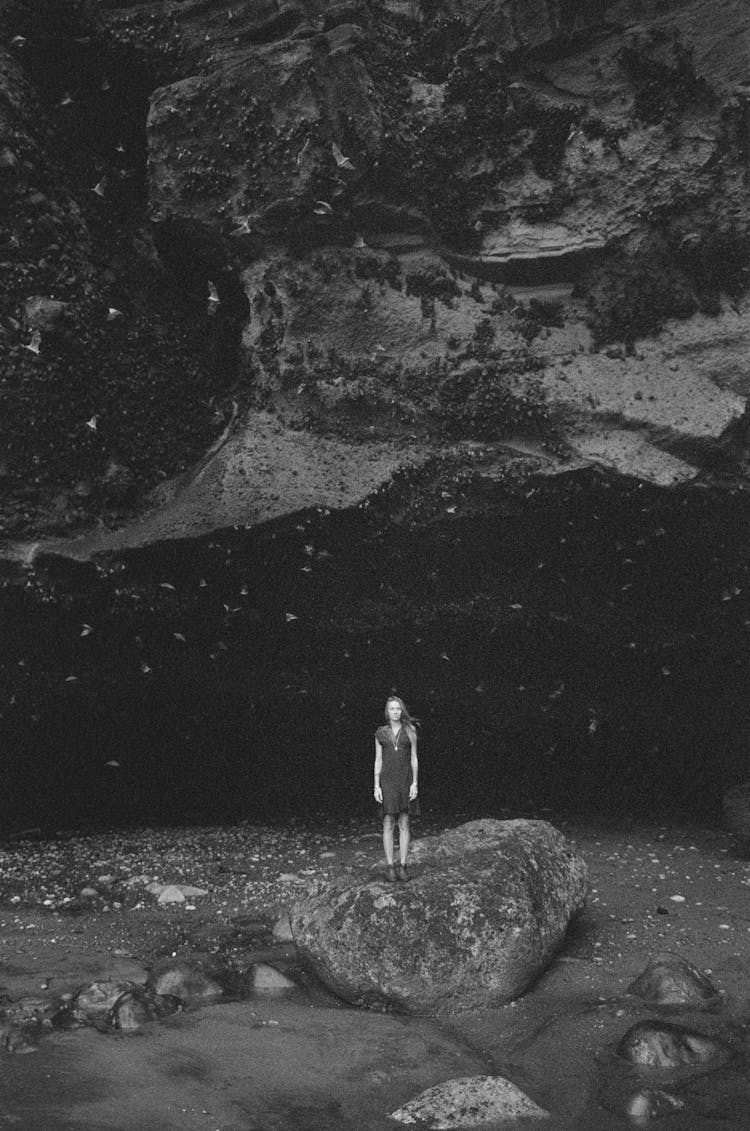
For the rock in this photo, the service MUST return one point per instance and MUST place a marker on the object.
(488, 905)
(267, 979)
(469, 1101)
(641, 1106)
(282, 929)
(139, 1006)
(659, 1044)
(118, 480)
(288, 93)
(669, 980)
(44, 313)
(170, 894)
(16, 1040)
(649, 1104)
(182, 980)
(93, 1004)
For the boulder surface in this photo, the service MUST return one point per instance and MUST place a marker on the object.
(488, 906)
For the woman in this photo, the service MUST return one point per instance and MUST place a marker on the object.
(396, 769)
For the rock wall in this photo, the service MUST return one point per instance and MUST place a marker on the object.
(446, 222)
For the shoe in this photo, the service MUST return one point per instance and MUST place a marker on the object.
(403, 873)
(392, 874)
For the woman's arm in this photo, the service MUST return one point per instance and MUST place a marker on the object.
(414, 767)
(378, 768)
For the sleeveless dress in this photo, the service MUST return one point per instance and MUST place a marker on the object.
(396, 776)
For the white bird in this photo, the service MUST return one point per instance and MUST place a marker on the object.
(303, 151)
(322, 208)
(290, 617)
(66, 100)
(35, 344)
(87, 630)
(119, 148)
(342, 161)
(91, 424)
(213, 294)
(113, 313)
(244, 228)
(359, 242)
(18, 41)
(101, 187)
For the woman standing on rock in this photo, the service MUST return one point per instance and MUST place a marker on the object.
(396, 769)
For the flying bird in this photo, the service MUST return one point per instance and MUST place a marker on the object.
(101, 187)
(359, 242)
(18, 41)
(342, 161)
(35, 344)
(66, 100)
(91, 424)
(322, 208)
(113, 313)
(244, 228)
(213, 294)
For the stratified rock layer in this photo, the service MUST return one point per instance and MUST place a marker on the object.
(488, 905)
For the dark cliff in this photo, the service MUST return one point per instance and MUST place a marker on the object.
(438, 314)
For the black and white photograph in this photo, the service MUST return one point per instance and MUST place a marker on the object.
(374, 565)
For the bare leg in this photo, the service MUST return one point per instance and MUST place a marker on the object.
(388, 823)
(404, 836)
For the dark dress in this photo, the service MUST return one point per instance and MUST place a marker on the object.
(396, 776)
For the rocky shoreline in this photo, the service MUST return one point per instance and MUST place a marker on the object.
(655, 888)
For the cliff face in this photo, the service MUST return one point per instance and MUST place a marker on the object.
(518, 224)
(258, 260)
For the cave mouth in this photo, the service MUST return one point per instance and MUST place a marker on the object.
(579, 648)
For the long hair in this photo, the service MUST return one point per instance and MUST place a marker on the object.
(410, 722)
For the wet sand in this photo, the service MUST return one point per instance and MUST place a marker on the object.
(308, 1062)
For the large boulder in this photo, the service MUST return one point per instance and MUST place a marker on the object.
(488, 905)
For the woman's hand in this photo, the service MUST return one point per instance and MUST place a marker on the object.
(378, 795)
(413, 791)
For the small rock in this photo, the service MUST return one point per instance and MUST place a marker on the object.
(93, 1004)
(468, 1101)
(267, 979)
(139, 1006)
(650, 1104)
(669, 980)
(182, 980)
(282, 929)
(44, 313)
(170, 894)
(658, 1044)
